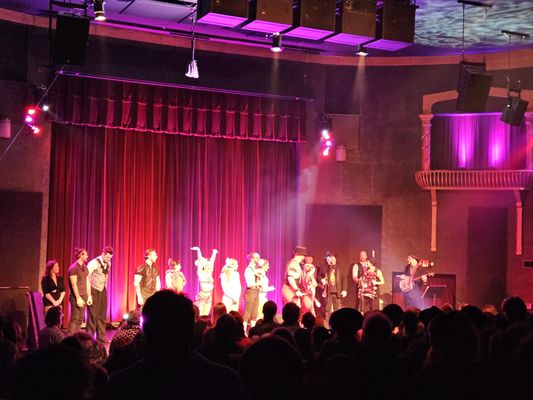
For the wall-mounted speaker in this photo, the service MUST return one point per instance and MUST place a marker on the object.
(513, 114)
(70, 40)
(473, 87)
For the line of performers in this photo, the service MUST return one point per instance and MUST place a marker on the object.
(316, 290)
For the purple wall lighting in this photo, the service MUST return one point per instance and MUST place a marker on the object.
(229, 21)
(266, 26)
(388, 45)
(348, 38)
(308, 33)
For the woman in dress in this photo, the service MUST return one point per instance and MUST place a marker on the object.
(53, 286)
(174, 278)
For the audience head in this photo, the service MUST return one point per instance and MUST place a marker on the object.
(395, 313)
(452, 337)
(168, 321)
(428, 314)
(515, 309)
(226, 329)
(377, 329)
(219, 309)
(36, 375)
(290, 314)
(53, 316)
(475, 316)
(283, 376)
(319, 335)
(346, 322)
(269, 310)
(308, 321)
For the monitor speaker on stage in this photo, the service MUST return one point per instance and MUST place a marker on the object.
(70, 40)
(514, 111)
(473, 87)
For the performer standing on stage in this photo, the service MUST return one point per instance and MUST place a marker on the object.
(53, 286)
(146, 280)
(80, 290)
(265, 287)
(174, 278)
(357, 273)
(310, 285)
(230, 280)
(335, 285)
(293, 290)
(98, 274)
(369, 283)
(252, 275)
(205, 267)
(412, 282)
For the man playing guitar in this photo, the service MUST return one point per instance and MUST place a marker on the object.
(411, 284)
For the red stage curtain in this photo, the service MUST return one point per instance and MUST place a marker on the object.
(135, 190)
(162, 109)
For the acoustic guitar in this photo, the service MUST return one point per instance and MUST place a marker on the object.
(407, 282)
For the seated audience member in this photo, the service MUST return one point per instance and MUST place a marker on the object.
(514, 309)
(319, 336)
(291, 316)
(54, 373)
(52, 333)
(302, 339)
(308, 321)
(170, 367)
(223, 349)
(242, 339)
(344, 324)
(272, 369)
(8, 354)
(268, 324)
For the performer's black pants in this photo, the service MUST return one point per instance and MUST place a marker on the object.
(96, 318)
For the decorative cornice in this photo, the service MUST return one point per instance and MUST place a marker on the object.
(475, 179)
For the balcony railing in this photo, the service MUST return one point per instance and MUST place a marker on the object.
(475, 179)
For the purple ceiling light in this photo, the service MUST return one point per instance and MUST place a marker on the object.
(314, 19)
(222, 13)
(356, 23)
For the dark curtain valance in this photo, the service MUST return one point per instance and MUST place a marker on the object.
(163, 109)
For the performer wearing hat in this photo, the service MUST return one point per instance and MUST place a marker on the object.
(412, 282)
(334, 285)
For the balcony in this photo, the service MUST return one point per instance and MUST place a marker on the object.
(475, 179)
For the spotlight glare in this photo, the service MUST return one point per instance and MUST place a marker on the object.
(328, 143)
(28, 119)
(35, 129)
(31, 111)
(325, 133)
(325, 152)
(276, 43)
(125, 316)
(46, 107)
(99, 12)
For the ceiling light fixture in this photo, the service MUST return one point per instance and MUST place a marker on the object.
(99, 12)
(276, 43)
(192, 66)
(361, 51)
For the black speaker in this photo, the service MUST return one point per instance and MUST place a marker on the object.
(70, 40)
(358, 18)
(272, 10)
(473, 87)
(513, 114)
(398, 22)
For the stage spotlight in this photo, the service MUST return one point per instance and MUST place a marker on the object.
(361, 51)
(99, 12)
(35, 130)
(327, 142)
(28, 119)
(45, 107)
(192, 70)
(276, 43)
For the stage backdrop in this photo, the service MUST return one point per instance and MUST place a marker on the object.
(136, 189)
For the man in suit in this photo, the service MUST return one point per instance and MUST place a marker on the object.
(335, 284)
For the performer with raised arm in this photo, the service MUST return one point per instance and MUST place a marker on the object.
(230, 280)
(205, 267)
(252, 275)
(174, 278)
(335, 285)
(357, 273)
(369, 283)
(98, 275)
(146, 278)
(293, 289)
